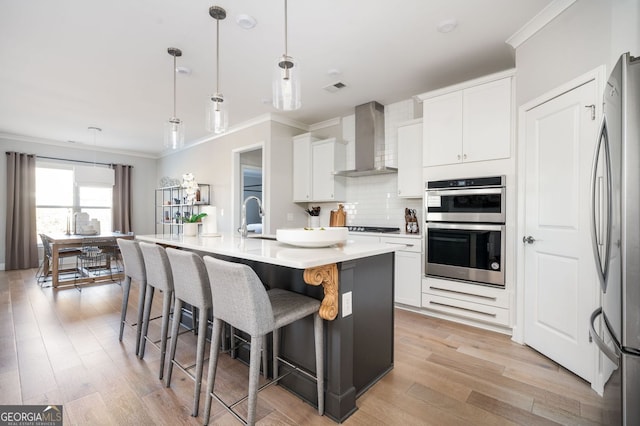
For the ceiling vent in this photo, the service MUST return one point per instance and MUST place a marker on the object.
(333, 88)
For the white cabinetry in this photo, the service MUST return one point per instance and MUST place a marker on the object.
(301, 167)
(314, 164)
(469, 301)
(468, 122)
(410, 182)
(408, 265)
(408, 270)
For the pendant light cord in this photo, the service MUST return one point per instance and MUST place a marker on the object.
(285, 29)
(174, 85)
(217, 56)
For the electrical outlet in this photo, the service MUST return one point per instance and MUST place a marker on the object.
(347, 306)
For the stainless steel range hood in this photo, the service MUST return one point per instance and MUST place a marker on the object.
(370, 143)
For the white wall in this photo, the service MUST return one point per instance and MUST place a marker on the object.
(212, 162)
(143, 179)
(586, 35)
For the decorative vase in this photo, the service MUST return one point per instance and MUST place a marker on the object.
(190, 229)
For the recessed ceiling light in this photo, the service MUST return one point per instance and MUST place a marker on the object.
(245, 21)
(447, 25)
(183, 70)
(334, 72)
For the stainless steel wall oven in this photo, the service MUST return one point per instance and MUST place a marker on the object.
(465, 229)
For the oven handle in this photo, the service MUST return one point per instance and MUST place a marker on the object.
(465, 226)
(474, 191)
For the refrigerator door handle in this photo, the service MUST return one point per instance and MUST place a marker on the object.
(593, 336)
(602, 267)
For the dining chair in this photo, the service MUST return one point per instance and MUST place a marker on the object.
(241, 300)
(133, 270)
(44, 270)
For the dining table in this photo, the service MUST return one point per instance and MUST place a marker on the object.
(60, 242)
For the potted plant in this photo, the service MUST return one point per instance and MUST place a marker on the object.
(190, 222)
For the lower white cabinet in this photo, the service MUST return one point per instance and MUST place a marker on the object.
(469, 301)
(408, 270)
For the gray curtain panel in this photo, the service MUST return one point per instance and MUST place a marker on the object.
(122, 209)
(21, 235)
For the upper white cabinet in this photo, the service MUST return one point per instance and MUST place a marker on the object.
(314, 165)
(302, 167)
(468, 122)
(410, 182)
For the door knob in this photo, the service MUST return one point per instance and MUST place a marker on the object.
(528, 240)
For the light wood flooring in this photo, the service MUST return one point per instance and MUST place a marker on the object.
(61, 347)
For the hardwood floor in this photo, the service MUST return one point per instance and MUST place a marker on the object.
(61, 347)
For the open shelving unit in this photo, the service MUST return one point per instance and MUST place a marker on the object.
(171, 207)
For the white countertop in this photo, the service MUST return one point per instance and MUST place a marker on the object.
(273, 252)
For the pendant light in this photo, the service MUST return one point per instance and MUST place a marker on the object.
(217, 117)
(286, 79)
(174, 128)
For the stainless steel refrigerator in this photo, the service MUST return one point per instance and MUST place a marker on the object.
(616, 236)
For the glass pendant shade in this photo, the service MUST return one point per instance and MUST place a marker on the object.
(286, 84)
(217, 117)
(173, 133)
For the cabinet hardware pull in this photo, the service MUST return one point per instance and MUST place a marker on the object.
(462, 309)
(464, 293)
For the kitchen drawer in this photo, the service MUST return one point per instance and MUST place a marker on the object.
(466, 292)
(460, 308)
(412, 244)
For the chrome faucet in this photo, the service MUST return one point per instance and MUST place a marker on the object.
(243, 227)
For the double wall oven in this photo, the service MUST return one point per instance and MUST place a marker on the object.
(465, 229)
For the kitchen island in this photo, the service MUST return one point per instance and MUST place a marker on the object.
(355, 282)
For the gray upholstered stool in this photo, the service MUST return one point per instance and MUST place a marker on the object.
(190, 285)
(159, 277)
(241, 300)
(133, 270)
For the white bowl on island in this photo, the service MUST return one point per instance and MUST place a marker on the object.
(313, 237)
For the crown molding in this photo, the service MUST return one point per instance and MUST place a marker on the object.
(538, 22)
(332, 122)
(74, 145)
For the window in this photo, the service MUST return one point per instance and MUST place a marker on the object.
(58, 198)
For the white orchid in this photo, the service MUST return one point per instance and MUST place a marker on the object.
(190, 187)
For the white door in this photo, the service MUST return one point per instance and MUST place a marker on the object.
(560, 286)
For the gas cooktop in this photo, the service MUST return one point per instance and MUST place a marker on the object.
(373, 229)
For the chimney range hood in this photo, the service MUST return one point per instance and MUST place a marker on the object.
(370, 143)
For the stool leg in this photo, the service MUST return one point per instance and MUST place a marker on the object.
(276, 353)
(143, 291)
(254, 374)
(145, 320)
(213, 364)
(166, 313)
(318, 333)
(177, 314)
(202, 334)
(126, 287)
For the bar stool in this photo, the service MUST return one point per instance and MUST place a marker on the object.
(190, 285)
(240, 299)
(159, 277)
(133, 270)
